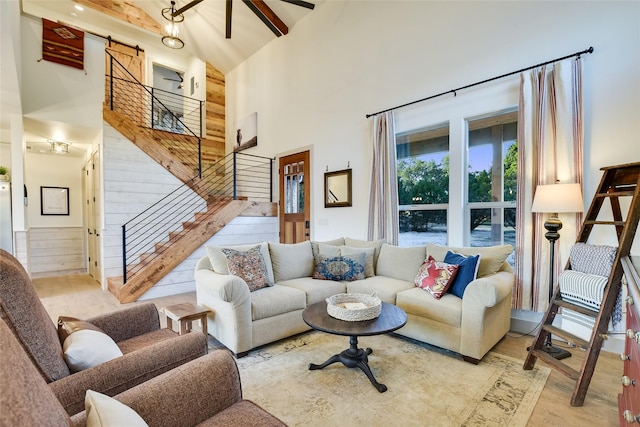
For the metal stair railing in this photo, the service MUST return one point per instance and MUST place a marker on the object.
(159, 110)
(236, 176)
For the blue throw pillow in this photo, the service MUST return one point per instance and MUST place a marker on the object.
(467, 271)
(348, 267)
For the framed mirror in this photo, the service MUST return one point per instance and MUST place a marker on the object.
(337, 189)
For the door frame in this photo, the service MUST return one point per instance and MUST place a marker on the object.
(306, 154)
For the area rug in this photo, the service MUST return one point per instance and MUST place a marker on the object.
(426, 385)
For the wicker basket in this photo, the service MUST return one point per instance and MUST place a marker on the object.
(354, 307)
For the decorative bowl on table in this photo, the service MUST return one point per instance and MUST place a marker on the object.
(354, 307)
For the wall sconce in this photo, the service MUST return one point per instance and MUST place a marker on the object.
(170, 31)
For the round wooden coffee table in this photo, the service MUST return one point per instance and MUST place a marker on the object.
(390, 319)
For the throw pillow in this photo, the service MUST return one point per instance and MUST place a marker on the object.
(348, 268)
(491, 257)
(85, 345)
(435, 277)
(467, 271)
(104, 411)
(218, 259)
(375, 244)
(369, 253)
(249, 266)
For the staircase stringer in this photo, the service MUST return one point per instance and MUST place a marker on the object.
(145, 139)
(198, 234)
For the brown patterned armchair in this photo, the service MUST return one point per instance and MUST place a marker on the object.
(205, 391)
(148, 350)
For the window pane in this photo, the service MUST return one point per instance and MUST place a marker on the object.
(423, 181)
(418, 227)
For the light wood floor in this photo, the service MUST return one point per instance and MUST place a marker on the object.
(81, 297)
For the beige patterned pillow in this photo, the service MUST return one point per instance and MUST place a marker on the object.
(249, 266)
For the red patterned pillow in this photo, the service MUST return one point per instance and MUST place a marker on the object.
(435, 277)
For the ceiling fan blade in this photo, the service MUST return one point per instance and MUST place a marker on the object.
(268, 16)
(186, 7)
(228, 20)
(301, 3)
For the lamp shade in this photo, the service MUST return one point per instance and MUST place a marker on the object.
(557, 198)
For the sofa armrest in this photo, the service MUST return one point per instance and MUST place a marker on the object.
(187, 395)
(122, 373)
(486, 313)
(227, 287)
(128, 323)
(229, 299)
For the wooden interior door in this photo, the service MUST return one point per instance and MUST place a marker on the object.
(295, 194)
(123, 85)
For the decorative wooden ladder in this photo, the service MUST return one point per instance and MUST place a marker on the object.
(617, 181)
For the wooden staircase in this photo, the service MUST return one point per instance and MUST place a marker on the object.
(177, 246)
(167, 255)
(621, 181)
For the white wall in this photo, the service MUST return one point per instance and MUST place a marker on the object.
(55, 92)
(53, 170)
(347, 59)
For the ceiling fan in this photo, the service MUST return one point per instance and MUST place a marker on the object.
(260, 8)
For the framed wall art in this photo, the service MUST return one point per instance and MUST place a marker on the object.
(54, 200)
(246, 132)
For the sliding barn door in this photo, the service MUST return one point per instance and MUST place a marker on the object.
(294, 198)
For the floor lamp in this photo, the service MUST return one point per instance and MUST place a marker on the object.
(556, 198)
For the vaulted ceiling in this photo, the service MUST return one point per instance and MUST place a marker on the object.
(203, 30)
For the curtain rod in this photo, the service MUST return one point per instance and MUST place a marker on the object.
(590, 50)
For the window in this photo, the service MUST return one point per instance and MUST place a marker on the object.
(492, 180)
(423, 185)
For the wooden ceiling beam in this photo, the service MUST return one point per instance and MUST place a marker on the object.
(228, 19)
(123, 10)
(301, 3)
(268, 16)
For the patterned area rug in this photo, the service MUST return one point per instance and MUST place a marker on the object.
(426, 385)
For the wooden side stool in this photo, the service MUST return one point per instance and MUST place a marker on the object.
(184, 314)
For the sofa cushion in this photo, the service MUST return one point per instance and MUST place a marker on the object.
(491, 257)
(104, 411)
(385, 287)
(467, 271)
(291, 261)
(335, 242)
(375, 244)
(400, 262)
(316, 290)
(275, 300)
(218, 259)
(435, 277)
(369, 253)
(447, 309)
(249, 266)
(21, 309)
(348, 267)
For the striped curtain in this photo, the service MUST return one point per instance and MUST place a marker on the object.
(383, 198)
(550, 140)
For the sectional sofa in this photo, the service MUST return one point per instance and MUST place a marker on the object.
(244, 316)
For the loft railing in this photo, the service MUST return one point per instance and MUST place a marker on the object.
(236, 176)
(157, 109)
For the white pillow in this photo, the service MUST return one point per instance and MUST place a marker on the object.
(291, 260)
(87, 348)
(105, 411)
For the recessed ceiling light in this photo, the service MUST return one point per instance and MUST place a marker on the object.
(78, 7)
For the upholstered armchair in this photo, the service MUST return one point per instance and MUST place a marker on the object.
(148, 350)
(204, 391)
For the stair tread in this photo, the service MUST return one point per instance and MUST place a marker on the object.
(573, 339)
(575, 307)
(556, 364)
